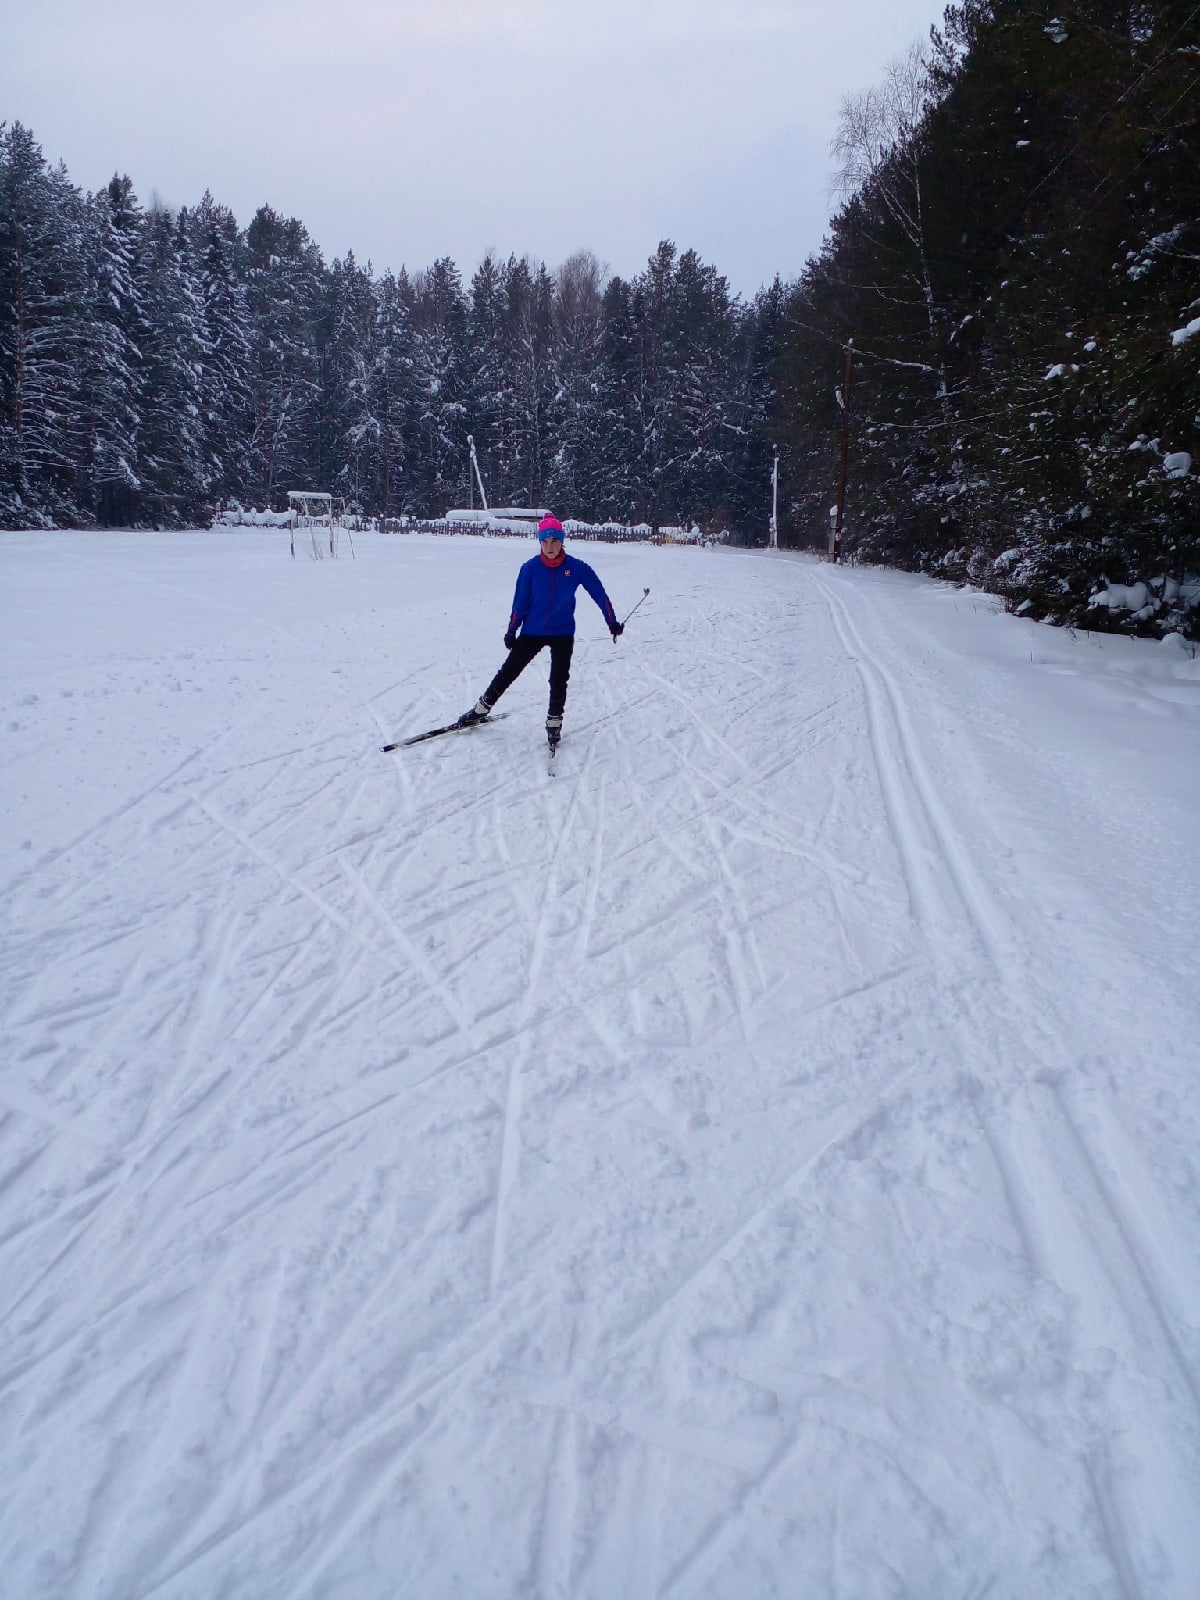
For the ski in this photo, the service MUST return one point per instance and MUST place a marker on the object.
(436, 733)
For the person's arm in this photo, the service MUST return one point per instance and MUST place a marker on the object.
(596, 589)
(520, 605)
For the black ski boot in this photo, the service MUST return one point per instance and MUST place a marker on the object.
(479, 712)
(553, 732)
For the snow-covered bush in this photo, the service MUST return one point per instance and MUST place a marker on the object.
(236, 517)
(1172, 605)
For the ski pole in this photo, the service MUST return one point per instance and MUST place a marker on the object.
(624, 620)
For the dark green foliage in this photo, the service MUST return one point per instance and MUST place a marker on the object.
(43, 315)
(153, 367)
(225, 334)
(171, 345)
(1017, 392)
(284, 284)
(440, 372)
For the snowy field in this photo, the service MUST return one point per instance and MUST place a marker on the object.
(761, 1160)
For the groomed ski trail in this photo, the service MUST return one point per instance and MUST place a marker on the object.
(760, 1160)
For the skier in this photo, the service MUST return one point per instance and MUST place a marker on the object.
(543, 612)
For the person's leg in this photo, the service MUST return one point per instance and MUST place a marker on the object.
(518, 658)
(561, 647)
(560, 670)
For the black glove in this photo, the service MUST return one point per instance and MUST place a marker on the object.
(510, 639)
(616, 629)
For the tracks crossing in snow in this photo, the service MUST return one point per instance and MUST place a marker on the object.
(681, 1178)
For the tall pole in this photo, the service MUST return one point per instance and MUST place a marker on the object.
(773, 541)
(844, 402)
(478, 476)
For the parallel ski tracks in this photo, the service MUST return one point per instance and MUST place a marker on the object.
(1076, 1229)
(910, 795)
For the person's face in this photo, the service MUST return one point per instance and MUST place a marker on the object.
(551, 546)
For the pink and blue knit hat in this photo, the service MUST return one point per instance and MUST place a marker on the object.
(550, 528)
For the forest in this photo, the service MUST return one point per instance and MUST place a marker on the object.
(992, 362)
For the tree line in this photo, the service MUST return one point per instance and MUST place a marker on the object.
(1013, 267)
(154, 365)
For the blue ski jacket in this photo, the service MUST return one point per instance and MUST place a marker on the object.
(544, 601)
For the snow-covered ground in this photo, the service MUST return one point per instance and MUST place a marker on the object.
(760, 1160)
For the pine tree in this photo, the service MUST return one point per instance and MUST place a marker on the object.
(226, 398)
(577, 477)
(171, 437)
(707, 419)
(41, 286)
(440, 387)
(620, 492)
(391, 394)
(487, 386)
(110, 359)
(754, 405)
(351, 429)
(283, 284)
(528, 320)
(653, 296)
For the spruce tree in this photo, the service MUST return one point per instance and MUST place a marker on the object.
(488, 385)
(41, 291)
(576, 479)
(172, 465)
(226, 397)
(348, 437)
(283, 284)
(617, 451)
(440, 463)
(391, 394)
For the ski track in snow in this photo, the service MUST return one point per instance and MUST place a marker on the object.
(733, 1166)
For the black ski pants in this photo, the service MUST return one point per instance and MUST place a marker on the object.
(519, 657)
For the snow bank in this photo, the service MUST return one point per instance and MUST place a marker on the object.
(236, 517)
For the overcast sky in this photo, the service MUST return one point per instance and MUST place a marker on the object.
(410, 129)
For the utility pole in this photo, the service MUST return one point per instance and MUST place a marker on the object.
(478, 478)
(773, 538)
(843, 400)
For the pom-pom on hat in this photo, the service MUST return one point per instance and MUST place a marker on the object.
(550, 528)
